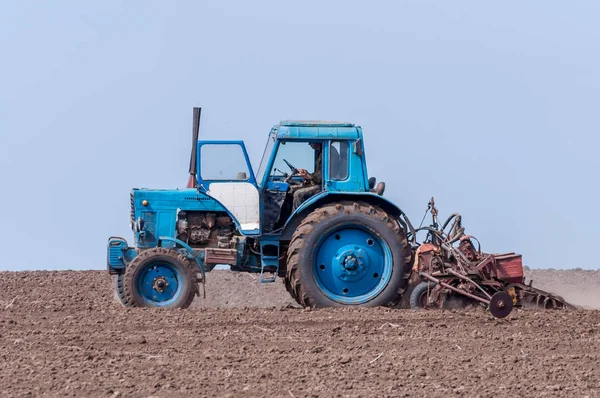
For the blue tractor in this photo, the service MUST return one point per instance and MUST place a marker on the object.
(309, 214)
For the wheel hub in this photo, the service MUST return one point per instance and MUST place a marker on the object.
(160, 284)
(352, 265)
(350, 262)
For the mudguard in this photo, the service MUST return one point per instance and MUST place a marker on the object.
(324, 198)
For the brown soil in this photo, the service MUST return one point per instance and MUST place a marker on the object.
(62, 334)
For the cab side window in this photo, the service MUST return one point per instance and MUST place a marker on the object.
(338, 160)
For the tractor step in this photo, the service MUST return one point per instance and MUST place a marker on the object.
(269, 260)
(269, 263)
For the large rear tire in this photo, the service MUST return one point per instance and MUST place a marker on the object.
(160, 277)
(348, 254)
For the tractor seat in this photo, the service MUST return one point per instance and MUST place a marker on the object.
(379, 189)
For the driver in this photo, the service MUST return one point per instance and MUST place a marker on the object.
(312, 182)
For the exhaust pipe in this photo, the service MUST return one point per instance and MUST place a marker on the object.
(193, 182)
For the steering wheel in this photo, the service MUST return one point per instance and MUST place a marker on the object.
(295, 173)
(292, 168)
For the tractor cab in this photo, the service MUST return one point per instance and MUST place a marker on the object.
(302, 160)
(290, 146)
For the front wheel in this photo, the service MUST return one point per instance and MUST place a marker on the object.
(348, 254)
(117, 285)
(159, 277)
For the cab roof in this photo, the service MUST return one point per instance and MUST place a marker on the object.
(317, 130)
(314, 123)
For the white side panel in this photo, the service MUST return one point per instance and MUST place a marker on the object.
(241, 199)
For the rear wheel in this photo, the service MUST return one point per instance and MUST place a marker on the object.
(160, 277)
(348, 254)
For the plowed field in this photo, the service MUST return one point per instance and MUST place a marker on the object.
(63, 334)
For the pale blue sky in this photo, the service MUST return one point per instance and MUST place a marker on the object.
(491, 108)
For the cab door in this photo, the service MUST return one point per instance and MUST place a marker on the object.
(225, 174)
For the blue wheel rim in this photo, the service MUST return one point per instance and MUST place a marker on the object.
(159, 284)
(352, 264)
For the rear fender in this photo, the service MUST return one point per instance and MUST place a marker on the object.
(325, 198)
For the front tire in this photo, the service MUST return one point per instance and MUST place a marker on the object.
(348, 254)
(159, 277)
(117, 284)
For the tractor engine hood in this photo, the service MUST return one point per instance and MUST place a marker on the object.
(154, 211)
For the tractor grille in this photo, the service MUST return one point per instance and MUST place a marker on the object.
(116, 256)
(116, 253)
(132, 212)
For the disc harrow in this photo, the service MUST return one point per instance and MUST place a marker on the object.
(532, 297)
(450, 262)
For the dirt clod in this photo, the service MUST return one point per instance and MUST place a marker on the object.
(345, 359)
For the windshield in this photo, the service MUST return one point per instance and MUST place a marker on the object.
(298, 154)
(265, 158)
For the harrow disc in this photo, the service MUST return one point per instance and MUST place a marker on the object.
(543, 300)
(501, 304)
